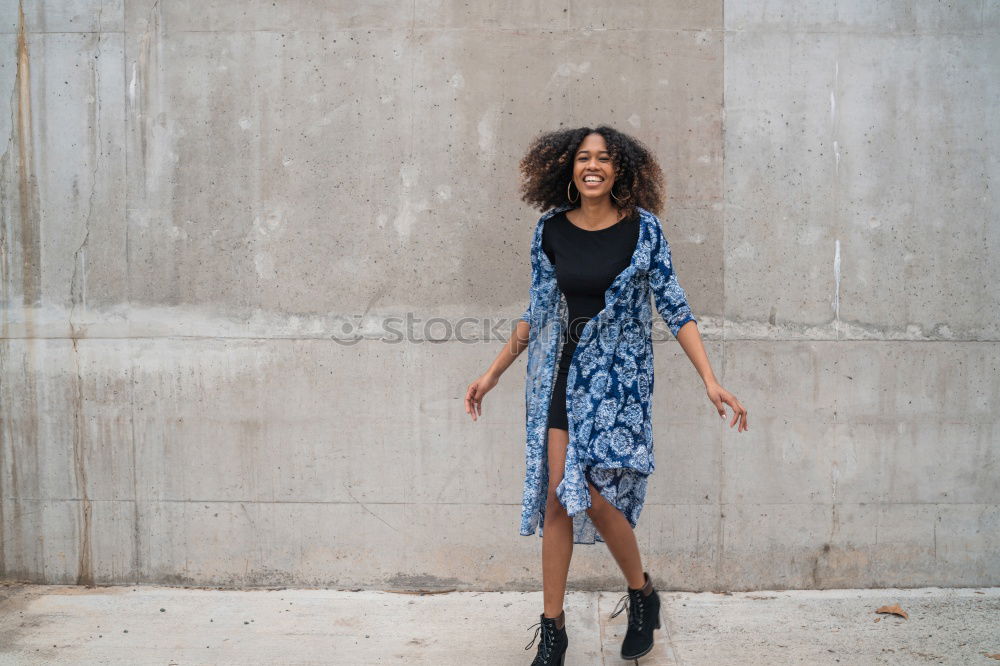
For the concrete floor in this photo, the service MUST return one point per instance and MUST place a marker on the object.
(170, 625)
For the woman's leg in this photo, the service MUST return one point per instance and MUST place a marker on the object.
(618, 534)
(557, 531)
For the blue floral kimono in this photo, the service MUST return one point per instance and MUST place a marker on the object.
(608, 387)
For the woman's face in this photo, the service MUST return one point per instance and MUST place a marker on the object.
(593, 172)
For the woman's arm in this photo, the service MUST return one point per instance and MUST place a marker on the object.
(689, 338)
(488, 380)
(671, 302)
(516, 344)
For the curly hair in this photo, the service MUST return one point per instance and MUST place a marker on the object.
(548, 167)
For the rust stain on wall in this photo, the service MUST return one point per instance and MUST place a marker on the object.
(85, 569)
(27, 181)
(21, 443)
(19, 440)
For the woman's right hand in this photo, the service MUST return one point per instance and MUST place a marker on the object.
(474, 396)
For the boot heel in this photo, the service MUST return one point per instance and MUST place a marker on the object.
(657, 621)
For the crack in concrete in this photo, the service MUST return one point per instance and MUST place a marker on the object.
(78, 287)
(362, 505)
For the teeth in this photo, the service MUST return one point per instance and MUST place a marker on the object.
(593, 179)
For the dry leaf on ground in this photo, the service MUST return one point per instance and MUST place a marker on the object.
(895, 610)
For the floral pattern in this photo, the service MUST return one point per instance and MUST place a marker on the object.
(609, 385)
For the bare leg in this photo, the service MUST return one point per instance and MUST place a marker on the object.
(557, 532)
(618, 534)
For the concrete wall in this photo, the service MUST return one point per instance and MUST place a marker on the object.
(202, 203)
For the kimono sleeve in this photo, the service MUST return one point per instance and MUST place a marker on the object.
(535, 278)
(671, 301)
(531, 290)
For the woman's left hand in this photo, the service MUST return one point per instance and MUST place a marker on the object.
(720, 396)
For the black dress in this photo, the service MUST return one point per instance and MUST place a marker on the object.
(586, 264)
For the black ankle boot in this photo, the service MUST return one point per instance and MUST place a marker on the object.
(552, 647)
(643, 618)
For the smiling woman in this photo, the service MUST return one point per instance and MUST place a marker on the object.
(598, 256)
(609, 381)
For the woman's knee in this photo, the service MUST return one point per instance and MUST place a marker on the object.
(597, 513)
(552, 503)
(600, 507)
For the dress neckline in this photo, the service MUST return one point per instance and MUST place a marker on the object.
(595, 231)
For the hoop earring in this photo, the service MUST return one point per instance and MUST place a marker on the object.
(571, 200)
(620, 201)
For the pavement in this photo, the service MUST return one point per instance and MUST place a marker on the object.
(43, 624)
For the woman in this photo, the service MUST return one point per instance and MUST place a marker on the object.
(596, 255)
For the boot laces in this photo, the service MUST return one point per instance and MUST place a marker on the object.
(548, 638)
(633, 603)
